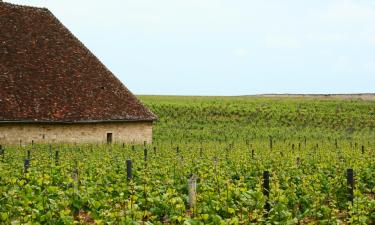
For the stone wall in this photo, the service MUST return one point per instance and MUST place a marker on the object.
(128, 132)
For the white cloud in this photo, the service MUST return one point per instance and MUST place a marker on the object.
(349, 12)
(282, 41)
(368, 36)
(342, 22)
(350, 64)
(370, 66)
(240, 52)
(343, 64)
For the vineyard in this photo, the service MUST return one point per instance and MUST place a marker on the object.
(214, 160)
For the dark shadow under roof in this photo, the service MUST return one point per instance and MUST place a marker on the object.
(48, 75)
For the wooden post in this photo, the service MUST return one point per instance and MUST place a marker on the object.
(129, 169)
(266, 190)
(363, 149)
(298, 161)
(145, 154)
(350, 180)
(252, 153)
(192, 191)
(26, 165)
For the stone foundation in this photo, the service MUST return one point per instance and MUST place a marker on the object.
(122, 132)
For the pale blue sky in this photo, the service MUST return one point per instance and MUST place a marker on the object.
(232, 47)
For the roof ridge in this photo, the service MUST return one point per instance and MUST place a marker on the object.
(23, 6)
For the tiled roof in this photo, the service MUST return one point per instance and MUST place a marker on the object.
(48, 75)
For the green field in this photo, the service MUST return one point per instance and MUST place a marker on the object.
(306, 144)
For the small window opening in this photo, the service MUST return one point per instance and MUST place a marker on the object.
(109, 138)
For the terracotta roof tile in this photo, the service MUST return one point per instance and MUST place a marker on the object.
(48, 75)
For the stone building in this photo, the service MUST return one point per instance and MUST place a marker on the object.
(54, 90)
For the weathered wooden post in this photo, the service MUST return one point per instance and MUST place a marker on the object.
(129, 169)
(266, 190)
(26, 165)
(298, 161)
(145, 154)
(252, 153)
(350, 181)
(192, 191)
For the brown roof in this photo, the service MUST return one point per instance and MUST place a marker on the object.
(48, 75)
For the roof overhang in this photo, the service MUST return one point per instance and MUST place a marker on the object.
(72, 122)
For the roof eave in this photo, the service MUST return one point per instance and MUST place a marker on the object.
(73, 122)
